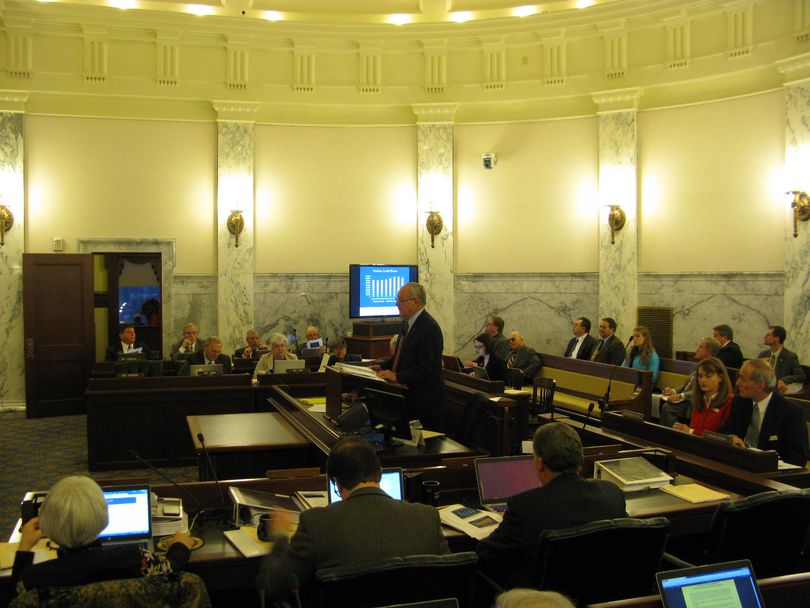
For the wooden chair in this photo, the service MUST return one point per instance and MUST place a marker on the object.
(543, 395)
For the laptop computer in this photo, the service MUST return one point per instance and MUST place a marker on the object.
(501, 478)
(129, 509)
(282, 366)
(205, 370)
(391, 484)
(724, 584)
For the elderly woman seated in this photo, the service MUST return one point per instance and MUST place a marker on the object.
(73, 515)
(278, 352)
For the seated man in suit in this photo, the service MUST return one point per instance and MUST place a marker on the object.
(254, 348)
(790, 376)
(762, 418)
(211, 354)
(582, 344)
(522, 357)
(609, 349)
(730, 353)
(366, 526)
(494, 328)
(188, 343)
(675, 403)
(564, 499)
(126, 344)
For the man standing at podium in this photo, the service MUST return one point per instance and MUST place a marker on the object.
(417, 361)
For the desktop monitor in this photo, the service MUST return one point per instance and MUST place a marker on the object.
(373, 288)
(388, 412)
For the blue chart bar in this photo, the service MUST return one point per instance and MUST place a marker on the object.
(383, 288)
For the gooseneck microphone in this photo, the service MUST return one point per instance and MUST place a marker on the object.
(591, 405)
(604, 404)
(211, 468)
(137, 456)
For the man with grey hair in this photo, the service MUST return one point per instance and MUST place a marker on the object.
(278, 352)
(532, 598)
(675, 405)
(254, 348)
(188, 343)
(417, 361)
(762, 418)
(564, 499)
(211, 354)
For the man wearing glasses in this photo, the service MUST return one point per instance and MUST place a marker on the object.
(417, 361)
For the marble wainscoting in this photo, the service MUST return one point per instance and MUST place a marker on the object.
(540, 306)
(195, 301)
(292, 301)
(748, 302)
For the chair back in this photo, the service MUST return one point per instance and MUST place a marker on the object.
(183, 590)
(543, 395)
(399, 580)
(769, 529)
(604, 560)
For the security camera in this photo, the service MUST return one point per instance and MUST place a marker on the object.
(489, 159)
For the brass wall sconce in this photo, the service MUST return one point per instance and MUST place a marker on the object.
(6, 222)
(801, 209)
(434, 225)
(616, 221)
(236, 224)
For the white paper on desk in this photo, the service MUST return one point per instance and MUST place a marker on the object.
(478, 525)
(319, 408)
(246, 541)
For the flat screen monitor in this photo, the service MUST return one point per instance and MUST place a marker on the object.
(724, 584)
(206, 370)
(388, 412)
(390, 483)
(373, 288)
(282, 366)
(129, 509)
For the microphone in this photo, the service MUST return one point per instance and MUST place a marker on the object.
(137, 456)
(211, 468)
(591, 405)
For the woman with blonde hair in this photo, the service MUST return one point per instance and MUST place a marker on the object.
(642, 355)
(711, 398)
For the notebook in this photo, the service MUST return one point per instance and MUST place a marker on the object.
(724, 584)
(501, 478)
(129, 509)
(391, 484)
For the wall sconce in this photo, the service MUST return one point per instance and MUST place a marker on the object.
(616, 220)
(801, 209)
(489, 160)
(6, 222)
(434, 225)
(236, 224)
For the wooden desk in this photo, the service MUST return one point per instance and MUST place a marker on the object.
(246, 445)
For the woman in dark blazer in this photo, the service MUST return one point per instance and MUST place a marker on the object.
(495, 366)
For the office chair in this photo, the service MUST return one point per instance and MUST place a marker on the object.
(543, 395)
(769, 528)
(183, 590)
(604, 560)
(398, 580)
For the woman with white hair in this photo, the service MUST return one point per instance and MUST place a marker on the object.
(278, 352)
(73, 514)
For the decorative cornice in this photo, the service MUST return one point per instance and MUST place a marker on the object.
(236, 111)
(794, 69)
(617, 100)
(434, 112)
(13, 102)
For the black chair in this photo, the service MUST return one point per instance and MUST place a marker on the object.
(769, 529)
(543, 395)
(604, 560)
(398, 580)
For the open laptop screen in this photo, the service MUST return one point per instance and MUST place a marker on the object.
(130, 513)
(501, 478)
(712, 586)
(391, 484)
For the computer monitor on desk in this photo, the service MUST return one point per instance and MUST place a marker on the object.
(282, 366)
(388, 412)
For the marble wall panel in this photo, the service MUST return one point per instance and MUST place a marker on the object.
(195, 301)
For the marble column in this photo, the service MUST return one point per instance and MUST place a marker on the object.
(235, 301)
(618, 260)
(12, 362)
(797, 250)
(436, 259)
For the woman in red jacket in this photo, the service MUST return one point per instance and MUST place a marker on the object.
(711, 398)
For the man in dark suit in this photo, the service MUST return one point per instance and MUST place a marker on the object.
(211, 354)
(126, 344)
(494, 328)
(730, 353)
(522, 357)
(188, 343)
(582, 344)
(762, 418)
(790, 376)
(609, 349)
(254, 349)
(417, 362)
(365, 527)
(564, 499)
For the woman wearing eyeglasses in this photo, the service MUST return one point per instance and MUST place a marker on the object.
(495, 366)
(711, 398)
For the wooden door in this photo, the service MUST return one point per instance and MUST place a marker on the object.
(59, 332)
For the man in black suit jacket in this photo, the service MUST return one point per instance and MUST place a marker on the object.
(364, 527)
(522, 357)
(730, 353)
(417, 361)
(782, 428)
(126, 343)
(583, 338)
(210, 354)
(564, 499)
(609, 349)
(790, 376)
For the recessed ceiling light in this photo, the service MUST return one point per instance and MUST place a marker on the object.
(585, 3)
(525, 11)
(123, 4)
(272, 16)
